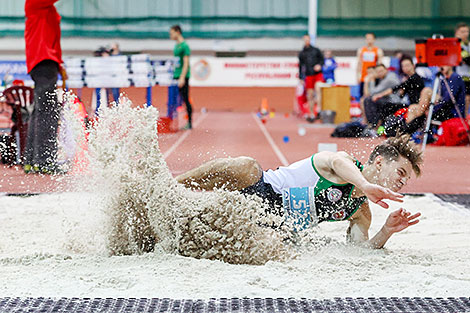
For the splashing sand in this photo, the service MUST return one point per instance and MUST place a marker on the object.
(59, 244)
(149, 210)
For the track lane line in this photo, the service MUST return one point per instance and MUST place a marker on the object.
(184, 136)
(275, 148)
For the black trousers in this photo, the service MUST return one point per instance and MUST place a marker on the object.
(184, 93)
(376, 111)
(266, 191)
(444, 113)
(41, 145)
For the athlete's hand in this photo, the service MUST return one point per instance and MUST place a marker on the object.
(400, 220)
(181, 82)
(377, 194)
(317, 68)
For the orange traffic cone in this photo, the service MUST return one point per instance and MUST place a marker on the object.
(264, 110)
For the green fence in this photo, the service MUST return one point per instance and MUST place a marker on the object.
(246, 18)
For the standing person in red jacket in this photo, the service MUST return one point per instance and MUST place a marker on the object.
(44, 63)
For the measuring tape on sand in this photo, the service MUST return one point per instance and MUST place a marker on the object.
(299, 207)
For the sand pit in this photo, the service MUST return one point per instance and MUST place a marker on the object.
(93, 242)
(42, 254)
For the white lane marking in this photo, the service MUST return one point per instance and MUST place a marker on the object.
(184, 136)
(275, 148)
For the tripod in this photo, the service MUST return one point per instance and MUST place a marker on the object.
(436, 90)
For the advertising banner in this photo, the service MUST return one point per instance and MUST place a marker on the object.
(260, 71)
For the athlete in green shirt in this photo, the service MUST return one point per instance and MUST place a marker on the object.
(182, 71)
(324, 187)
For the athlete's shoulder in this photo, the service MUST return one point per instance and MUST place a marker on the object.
(326, 155)
(344, 154)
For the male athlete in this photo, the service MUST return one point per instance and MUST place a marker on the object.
(337, 184)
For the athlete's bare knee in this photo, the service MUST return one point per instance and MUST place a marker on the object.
(249, 169)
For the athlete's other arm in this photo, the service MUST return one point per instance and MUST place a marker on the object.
(341, 165)
(358, 230)
(380, 55)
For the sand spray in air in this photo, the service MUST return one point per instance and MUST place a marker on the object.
(147, 210)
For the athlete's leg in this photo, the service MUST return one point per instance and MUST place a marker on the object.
(311, 100)
(310, 93)
(184, 92)
(229, 173)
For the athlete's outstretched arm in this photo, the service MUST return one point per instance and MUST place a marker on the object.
(396, 222)
(341, 164)
(358, 231)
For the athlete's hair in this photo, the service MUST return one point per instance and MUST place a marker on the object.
(460, 25)
(177, 28)
(402, 145)
(381, 65)
(370, 33)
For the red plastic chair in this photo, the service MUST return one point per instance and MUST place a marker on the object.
(21, 99)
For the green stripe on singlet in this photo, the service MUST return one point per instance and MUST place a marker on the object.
(322, 182)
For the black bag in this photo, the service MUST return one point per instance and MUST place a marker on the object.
(349, 130)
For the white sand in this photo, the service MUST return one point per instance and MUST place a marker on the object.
(41, 256)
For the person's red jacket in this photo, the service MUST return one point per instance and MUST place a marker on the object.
(42, 32)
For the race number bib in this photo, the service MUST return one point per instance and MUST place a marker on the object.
(299, 207)
(368, 57)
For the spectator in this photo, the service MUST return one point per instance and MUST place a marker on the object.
(44, 62)
(445, 108)
(310, 72)
(367, 56)
(328, 71)
(114, 51)
(462, 32)
(413, 87)
(379, 80)
(395, 62)
(329, 67)
(182, 71)
(376, 82)
(101, 52)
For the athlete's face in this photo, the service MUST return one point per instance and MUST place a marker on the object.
(370, 39)
(173, 34)
(393, 174)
